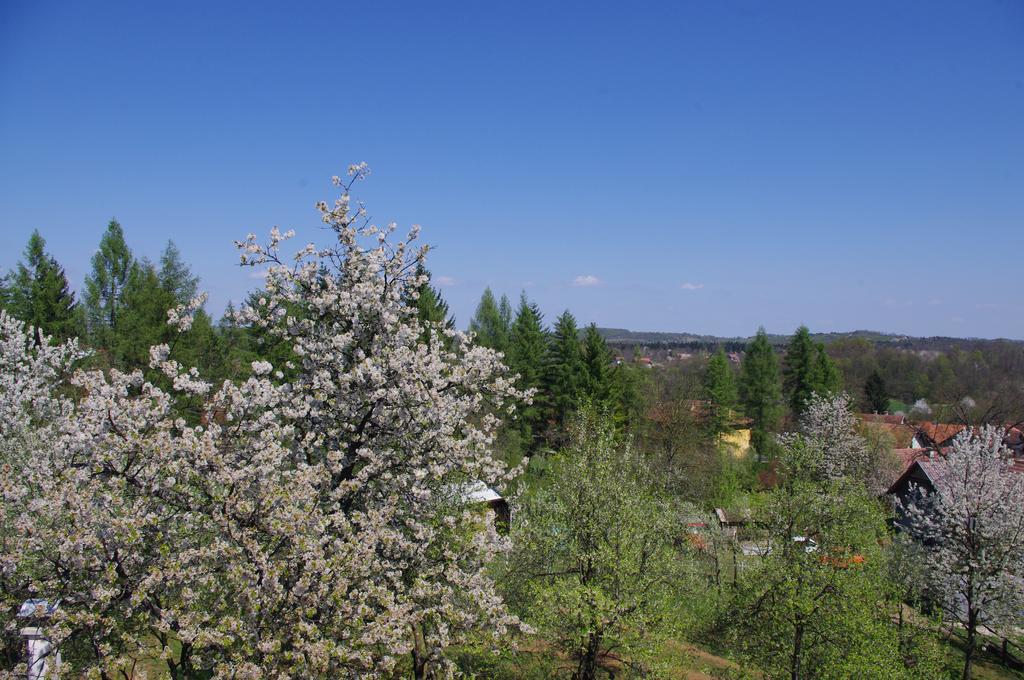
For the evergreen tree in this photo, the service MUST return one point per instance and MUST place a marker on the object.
(487, 324)
(142, 322)
(528, 343)
(599, 380)
(505, 314)
(104, 287)
(564, 369)
(827, 379)
(37, 292)
(431, 306)
(876, 392)
(141, 319)
(799, 370)
(720, 393)
(759, 387)
(175, 276)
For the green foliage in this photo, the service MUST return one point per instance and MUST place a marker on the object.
(37, 292)
(564, 371)
(876, 393)
(759, 389)
(141, 320)
(142, 323)
(527, 348)
(594, 555)
(631, 386)
(598, 373)
(826, 378)
(104, 287)
(489, 325)
(431, 306)
(175, 276)
(798, 375)
(816, 604)
(719, 393)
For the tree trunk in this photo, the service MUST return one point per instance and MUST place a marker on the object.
(972, 641)
(587, 669)
(420, 663)
(798, 644)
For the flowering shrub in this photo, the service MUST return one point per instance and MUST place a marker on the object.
(308, 527)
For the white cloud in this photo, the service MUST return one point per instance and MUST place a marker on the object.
(586, 280)
(444, 281)
(258, 274)
(691, 286)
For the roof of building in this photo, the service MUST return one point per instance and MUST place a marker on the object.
(910, 456)
(940, 433)
(479, 492)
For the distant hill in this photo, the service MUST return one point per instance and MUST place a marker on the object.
(624, 337)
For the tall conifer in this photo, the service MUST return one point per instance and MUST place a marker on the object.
(564, 369)
(38, 293)
(487, 324)
(528, 343)
(599, 381)
(719, 393)
(799, 372)
(759, 388)
(104, 287)
(827, 379)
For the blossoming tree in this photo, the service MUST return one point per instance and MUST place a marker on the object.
(312, 526)
(972, 528)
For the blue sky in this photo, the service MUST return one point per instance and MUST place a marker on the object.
(844, 165)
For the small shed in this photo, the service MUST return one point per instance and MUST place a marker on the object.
(479, 493)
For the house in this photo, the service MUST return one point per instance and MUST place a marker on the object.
(1014, 439)
(895, 426)
(917, 479)
(931, 435)
(730, 522)
(913, 484)
(479, 493)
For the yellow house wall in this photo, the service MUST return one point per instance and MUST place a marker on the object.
(737, 442)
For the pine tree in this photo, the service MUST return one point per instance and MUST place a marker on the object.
(564, 370)
(38, 293)
(759, 387)
(720, 393)
(431, 306)
(141, 320)
(528, 343)
(505, 313)
(599, 381)
(104, 287)
(799, 370)
(175, 276)
(876, 392)
(826, 380)
(488, 325)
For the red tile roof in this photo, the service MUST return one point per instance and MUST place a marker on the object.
(940, 433)
(910, 456)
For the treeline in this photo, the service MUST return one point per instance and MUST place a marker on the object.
(986, 375)
(562, 366)
(123, 307)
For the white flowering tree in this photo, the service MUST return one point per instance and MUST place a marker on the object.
(308, 527)
(972, 528)
(829, 427)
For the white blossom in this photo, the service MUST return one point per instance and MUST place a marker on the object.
(299, 528)
(971, 526)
